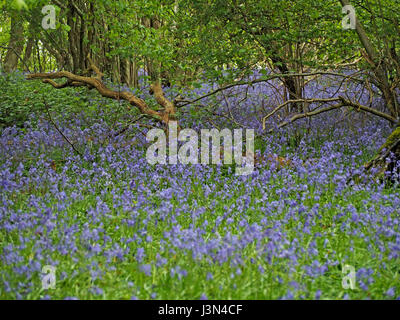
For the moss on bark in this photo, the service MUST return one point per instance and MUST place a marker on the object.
(391, 140)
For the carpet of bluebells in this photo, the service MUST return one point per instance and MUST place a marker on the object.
(116, 227)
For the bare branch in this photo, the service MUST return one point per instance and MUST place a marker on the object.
(295, 101)
(307, 114)
(59, 131)
(264, 79)
(94, 68)
(76, 80)
(168, 105)
(373, 111)
(344, 102)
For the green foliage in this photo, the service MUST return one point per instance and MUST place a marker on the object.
(21, 98)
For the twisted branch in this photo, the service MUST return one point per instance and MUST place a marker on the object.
(73, 80)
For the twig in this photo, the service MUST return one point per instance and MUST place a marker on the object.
(294, 101)
(116, 134)
(344, 102)
(59, 131)
(228, 105)
(307, 114)
(264, 79)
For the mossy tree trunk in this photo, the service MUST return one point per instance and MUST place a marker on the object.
(386, 160)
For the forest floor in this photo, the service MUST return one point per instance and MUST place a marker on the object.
(115, 227)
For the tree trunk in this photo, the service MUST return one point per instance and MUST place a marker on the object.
(129, 73)
(385, 170)
(385, 161)
(379, 67)
(74, 38)
(15, 45)
(28, 52)
(294, 91)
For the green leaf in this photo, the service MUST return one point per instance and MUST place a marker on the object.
(20, 4)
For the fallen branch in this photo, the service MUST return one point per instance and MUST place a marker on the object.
(264, 79)
(73, 80)
(307, 114)
(344, 103)
(373, 111)
(294, 101)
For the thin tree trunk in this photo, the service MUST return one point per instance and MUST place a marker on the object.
(379, 67)
(73, 37)
(28, 51)
(294, 91)
(38, 56)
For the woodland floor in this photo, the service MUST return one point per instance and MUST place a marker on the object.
(116, 227)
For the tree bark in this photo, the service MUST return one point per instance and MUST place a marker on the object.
(15, 45)
(386, 169)
(379, 67)
(28, 52)
(294, 91)
(165, 115)
(129, 73)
